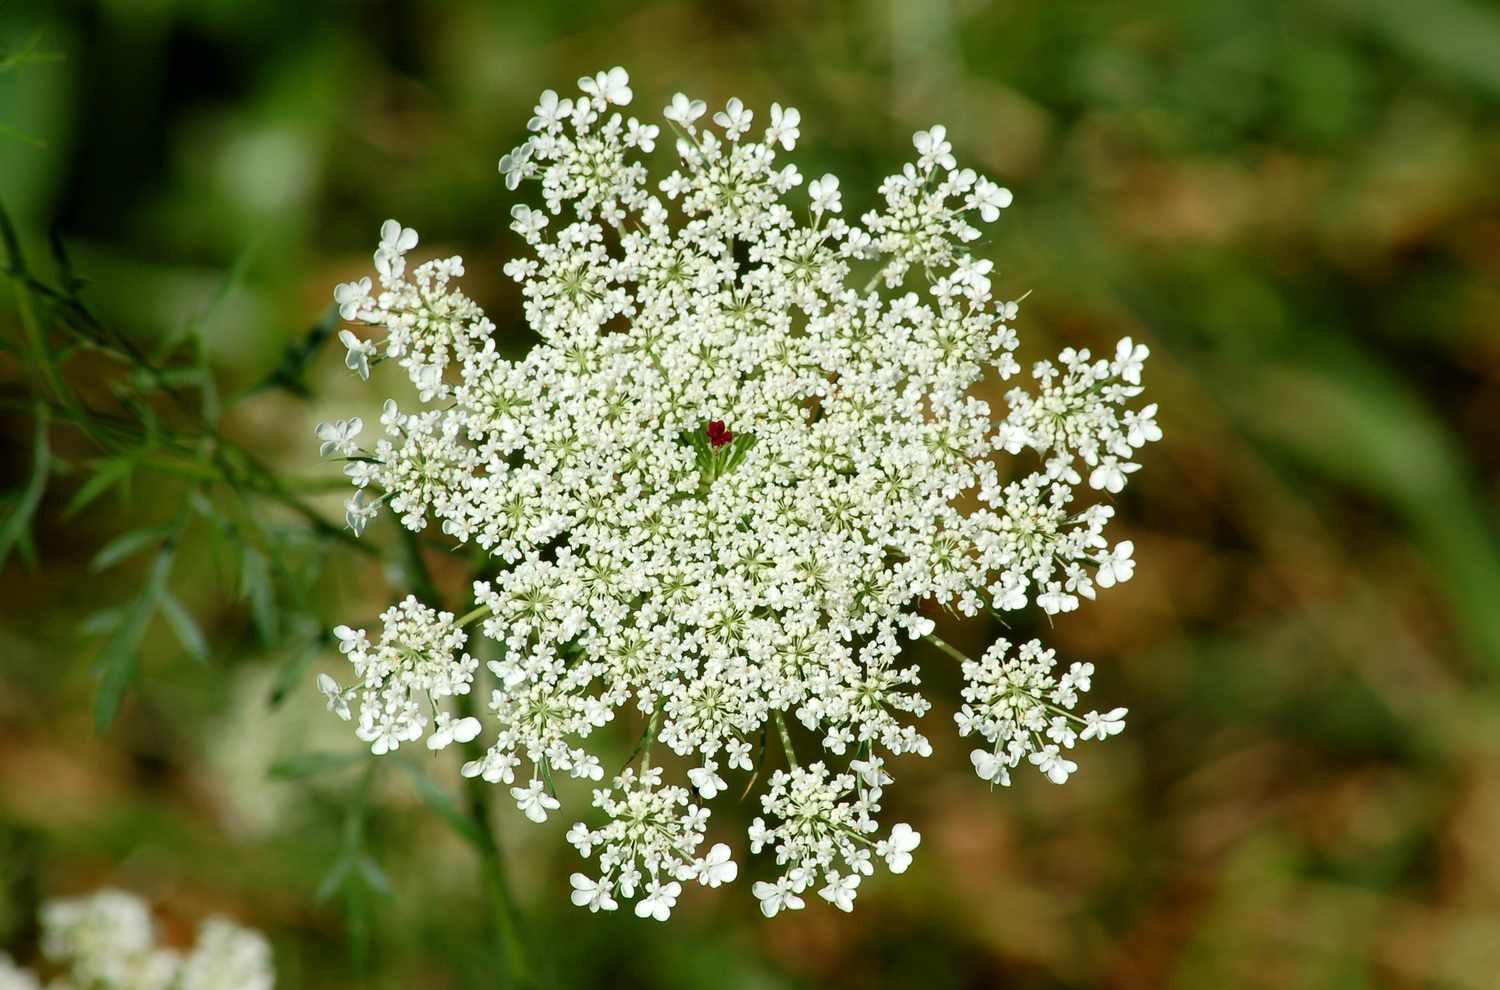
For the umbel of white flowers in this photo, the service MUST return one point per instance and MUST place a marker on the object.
(107, 941)
(721, 486)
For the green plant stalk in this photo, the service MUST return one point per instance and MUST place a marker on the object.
(504, 910)
(786, 741)
(947, 648)
(36, 339)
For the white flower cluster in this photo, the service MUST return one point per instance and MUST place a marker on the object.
(1025, 712)
(107, 941)
(412, 664)
(722, 486)
(824, 822)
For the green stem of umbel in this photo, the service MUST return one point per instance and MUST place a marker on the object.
(786, 741)
(504, 911)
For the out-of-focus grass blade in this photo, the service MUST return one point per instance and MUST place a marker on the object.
(374, 876)
(442, 804)
(305, 765)
(30, 53)
(15, 261)
(184, 626)
(1453, 36)
(255, 585)
(18, 521)
(1354, 421)
(101, 622)
(226, 287)
(106, 476)
(126, 545)
(293, 671)
(291, 373)
(121, 656)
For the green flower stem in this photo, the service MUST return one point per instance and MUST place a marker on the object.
(473, 615)
(648, 739)
(786, 741)
(947, 648)
(504, 911)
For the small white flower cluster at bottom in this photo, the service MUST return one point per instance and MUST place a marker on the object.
(107, 941)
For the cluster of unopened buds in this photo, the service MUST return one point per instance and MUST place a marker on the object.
(719, 492)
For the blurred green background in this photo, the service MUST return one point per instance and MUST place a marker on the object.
(1293, 202)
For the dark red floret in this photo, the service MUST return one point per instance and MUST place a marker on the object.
(718, 435)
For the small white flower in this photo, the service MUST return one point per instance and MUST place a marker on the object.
(592, 894)
(447, 730)
(933, 148)
(990, 767)
(358, 513)
(496, 767)
(1050, 761)
(734, 118)
(706, 780)
(1110, 475)
(588, 768)
(351, 297)
(1116, 567)
(1141, 427)
(349, 639)
(716, 868)
(684, 111)
(784, 129)
(580, 838)
(526, 221)
(825, 194)
(641, 136)
(871, 772)
(516, 165)
(898, 848)
(1129, 358)
(395, 239)
(334, 695)
(840, 891)
(359, 353)
(612, 86)
(1080, 676)
(550, 112)
(776, 897)
(428, 379)
(1097, 726)
(534, 801)
(989, 199)
(659, 900)
(338, 436)
(1055, 600)
(739, 755)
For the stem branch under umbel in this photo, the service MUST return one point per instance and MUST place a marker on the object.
(504, 910)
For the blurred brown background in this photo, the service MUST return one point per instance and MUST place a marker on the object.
(1293, 202)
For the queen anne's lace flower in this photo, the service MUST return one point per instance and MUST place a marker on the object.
(721, 486)
(107, 941)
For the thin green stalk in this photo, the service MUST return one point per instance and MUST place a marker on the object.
(650, 738)
(473, 615)
(947, 648)
(504, 911)
(786, 741)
